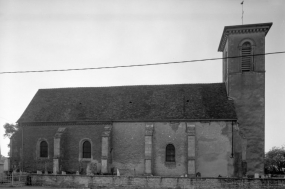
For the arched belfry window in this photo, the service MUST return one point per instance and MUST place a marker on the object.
(170, 153)
(86, 149)
(246, 57)
(43, 149)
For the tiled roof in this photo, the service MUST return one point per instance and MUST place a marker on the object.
(130, 103)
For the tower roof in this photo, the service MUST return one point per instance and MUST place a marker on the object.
(241, 29)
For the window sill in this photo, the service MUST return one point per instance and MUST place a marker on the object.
(85, 159)
(43, 158)
(170, 164)
(247, 72)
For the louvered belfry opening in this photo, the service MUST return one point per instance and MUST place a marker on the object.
(247, 58)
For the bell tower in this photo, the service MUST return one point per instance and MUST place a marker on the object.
(244, 77)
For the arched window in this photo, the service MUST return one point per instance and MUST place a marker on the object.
(43, 149)
(86, 150)
(170, 153)
(247, 58)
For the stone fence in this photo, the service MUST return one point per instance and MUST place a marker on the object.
(153, 182)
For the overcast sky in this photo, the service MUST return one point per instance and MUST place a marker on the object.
(64, 34)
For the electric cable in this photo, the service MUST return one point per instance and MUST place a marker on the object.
(136, 65)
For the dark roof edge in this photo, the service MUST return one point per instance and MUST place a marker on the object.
(28, 106)
(143, 85)
(247, 28)
(112, 121)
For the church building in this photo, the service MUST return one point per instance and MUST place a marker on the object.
(215, 129)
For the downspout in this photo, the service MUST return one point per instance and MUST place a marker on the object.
(227, 64)
(232, 155)
(22, 158)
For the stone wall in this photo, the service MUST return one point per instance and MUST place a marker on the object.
(247, 89)
(16, 150)
(128, 147)
(77, 181)
(204, 147)
(214, 148)
(69, 156)
(170, 133)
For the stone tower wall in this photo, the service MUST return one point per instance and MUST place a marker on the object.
(247, 89)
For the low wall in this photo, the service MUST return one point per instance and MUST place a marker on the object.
(114, 182)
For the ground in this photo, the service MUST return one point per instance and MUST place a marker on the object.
(26, 187)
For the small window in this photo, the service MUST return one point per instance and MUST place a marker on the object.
(43, 149)
(86, 152)
(170, 153)
(247, 58)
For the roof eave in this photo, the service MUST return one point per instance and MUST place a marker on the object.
(112, 121)
(240, 29)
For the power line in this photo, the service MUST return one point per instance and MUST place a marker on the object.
(5, 119)
(136, 65)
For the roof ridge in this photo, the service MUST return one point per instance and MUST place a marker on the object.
(176, 84)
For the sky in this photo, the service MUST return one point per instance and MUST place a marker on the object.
(67, 34)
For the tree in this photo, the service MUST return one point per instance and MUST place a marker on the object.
(275, 160)
(10, 129)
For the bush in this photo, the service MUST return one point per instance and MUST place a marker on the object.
(275, 161)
